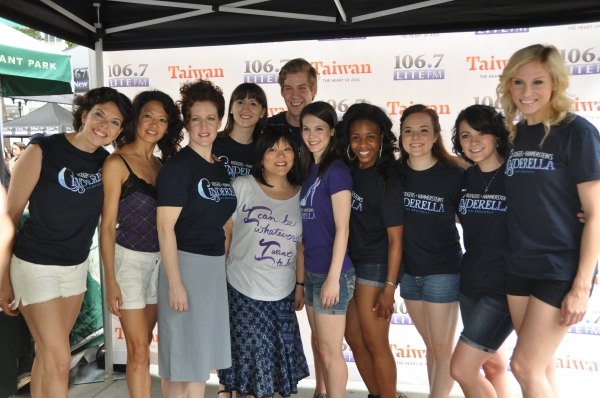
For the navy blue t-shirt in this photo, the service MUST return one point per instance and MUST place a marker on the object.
(64, 206)
(485, 233)
(543, 202)
(237, 158)
(374, 209)
(205, 193)
(431, 240)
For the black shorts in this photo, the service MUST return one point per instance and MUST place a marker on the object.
(549, 291)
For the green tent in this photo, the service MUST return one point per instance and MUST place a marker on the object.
(29, 67)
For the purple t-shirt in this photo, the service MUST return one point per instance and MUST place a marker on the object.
(318, 225)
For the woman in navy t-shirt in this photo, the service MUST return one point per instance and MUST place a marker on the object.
(480, 137)
(195, 200)
(247, 117)
(375, 243)
(553, 171)
(432, 249)
(325, 201)
(60, 176)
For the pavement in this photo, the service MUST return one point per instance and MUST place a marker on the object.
(116, 389)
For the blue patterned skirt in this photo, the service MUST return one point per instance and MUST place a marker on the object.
(266, 349)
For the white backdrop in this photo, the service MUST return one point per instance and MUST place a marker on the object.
(448, 72)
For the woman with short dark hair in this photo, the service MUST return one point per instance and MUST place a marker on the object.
(267, 354)
(60, 176)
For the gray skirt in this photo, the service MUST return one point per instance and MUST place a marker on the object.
(194, 342)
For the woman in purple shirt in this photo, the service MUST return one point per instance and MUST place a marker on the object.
(325, 201)
(129, 241)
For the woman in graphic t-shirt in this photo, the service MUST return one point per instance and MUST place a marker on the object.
(128, 239)
(247, 117)
(552, 172)
(375, 244)
(432, 249)
(265, 230)
(480, 137)
(325, 202)
(60, 176)
(195, 200)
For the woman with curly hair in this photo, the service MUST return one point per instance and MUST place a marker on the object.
(247, 117)
(60, 176)
(375, 243)
(195, 200)
(480, 137)
(552, 172)
(129, 240)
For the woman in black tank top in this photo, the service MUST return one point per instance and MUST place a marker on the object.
(129, 241)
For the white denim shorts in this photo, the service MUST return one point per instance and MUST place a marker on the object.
(37, 283)
(137, 276)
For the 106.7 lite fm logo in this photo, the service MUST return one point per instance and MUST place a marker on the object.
(419, 67)
(128, 75)
(260, 72)
(581, 62)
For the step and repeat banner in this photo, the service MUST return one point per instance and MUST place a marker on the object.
(446, 72)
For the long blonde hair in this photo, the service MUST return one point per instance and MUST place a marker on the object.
(560, 102)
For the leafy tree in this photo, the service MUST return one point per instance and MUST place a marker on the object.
(30, 32)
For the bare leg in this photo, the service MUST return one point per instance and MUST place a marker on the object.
(437, 324)
(354, 338)
(534, 351)
(496, 371)
(138, 333)
(464, 368)
(416, 311)
(321, 385)
(50, 323)
(375, 334)
(330, 335)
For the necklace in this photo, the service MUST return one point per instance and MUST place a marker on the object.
(487, 185)
(144, 159)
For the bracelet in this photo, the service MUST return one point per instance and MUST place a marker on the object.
(390, 283)
(299, 283)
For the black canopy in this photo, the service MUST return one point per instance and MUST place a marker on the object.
(143, 24)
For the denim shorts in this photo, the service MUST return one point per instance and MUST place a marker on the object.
(439, 289)
(487, 323)
(371, 274)
(312, 292)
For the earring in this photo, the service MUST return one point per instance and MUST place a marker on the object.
(380, 149)
(348, 153)
(81, 128)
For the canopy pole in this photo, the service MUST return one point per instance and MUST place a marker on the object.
(1, 119)
(106, 315)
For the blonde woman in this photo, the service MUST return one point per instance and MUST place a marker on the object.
(553, 171)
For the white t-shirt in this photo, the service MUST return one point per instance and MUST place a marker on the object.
(262, 258)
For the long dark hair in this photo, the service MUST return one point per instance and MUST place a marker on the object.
(270, 136)
(174, 134)
(484, 119)
(241, 92)
(325, 112)
(438, 150)
(376, 115)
